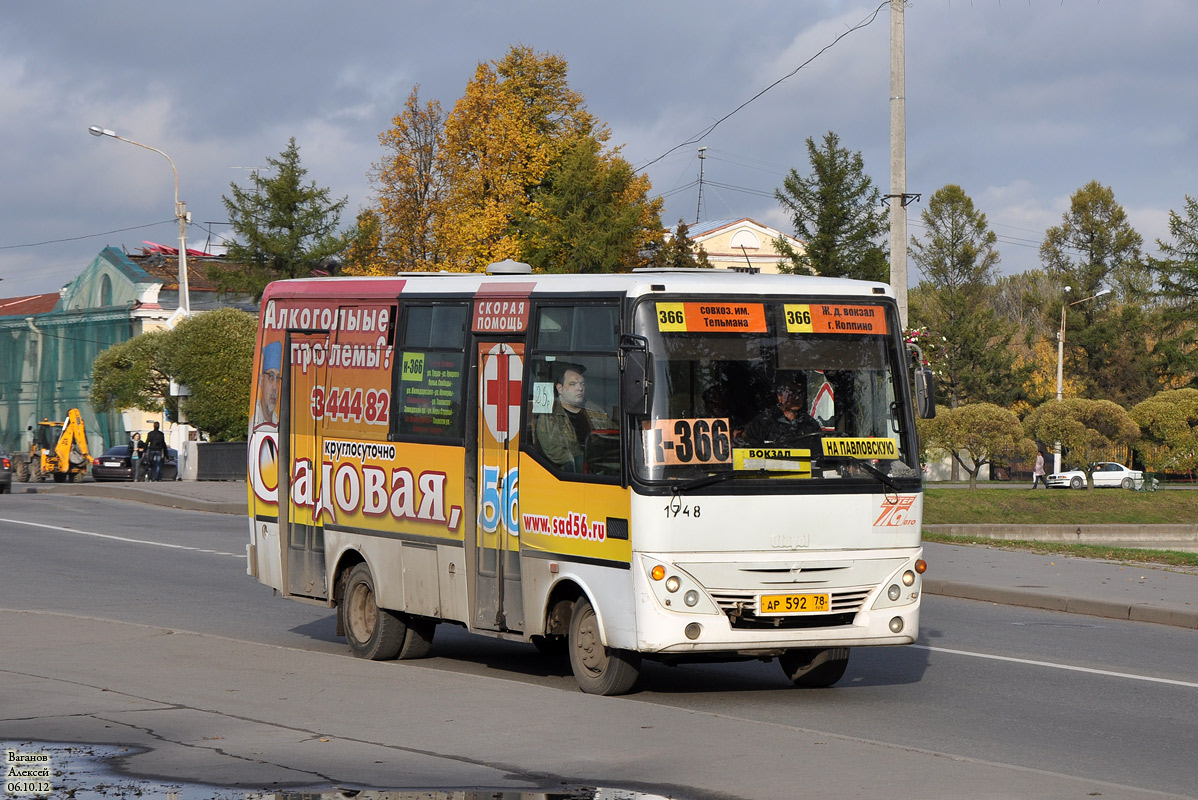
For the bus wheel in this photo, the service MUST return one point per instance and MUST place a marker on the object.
(419, 639)
(814, 668)
(372, 632)
(598, 669)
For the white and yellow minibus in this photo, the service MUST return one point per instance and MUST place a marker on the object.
(673, 465)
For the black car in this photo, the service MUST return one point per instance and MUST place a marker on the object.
(5, 472)
(115, 465)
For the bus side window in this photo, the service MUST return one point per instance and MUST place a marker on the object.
(429, 372)
(573, 393)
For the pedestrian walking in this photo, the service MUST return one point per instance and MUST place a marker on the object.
(1038, 472)
(155, 454)
(137, 449)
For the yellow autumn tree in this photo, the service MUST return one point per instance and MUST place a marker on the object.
(364, 250)
(409, 186)
(1041, 383)
(516, 119)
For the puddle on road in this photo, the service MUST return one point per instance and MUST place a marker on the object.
(87, 772)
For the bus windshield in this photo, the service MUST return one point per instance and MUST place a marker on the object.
(780, 390)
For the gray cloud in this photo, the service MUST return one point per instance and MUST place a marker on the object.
(1020, 104)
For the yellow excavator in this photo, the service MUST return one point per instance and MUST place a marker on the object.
(58, 450)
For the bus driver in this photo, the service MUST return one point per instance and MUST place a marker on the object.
(562, 433)
(786, 423)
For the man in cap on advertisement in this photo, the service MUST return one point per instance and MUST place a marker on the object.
(266, 410)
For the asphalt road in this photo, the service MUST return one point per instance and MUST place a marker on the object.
(137, 625)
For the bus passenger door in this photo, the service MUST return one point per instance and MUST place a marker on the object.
(301, 434)
(498, 599)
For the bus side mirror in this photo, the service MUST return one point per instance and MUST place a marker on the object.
(636, 369)
(925, 384)
(925, 393)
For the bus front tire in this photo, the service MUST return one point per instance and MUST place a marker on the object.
(372, 632)
(597, 668)
(814, 668)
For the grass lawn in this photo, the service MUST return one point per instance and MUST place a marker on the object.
(1064, 507)
(1059, 507)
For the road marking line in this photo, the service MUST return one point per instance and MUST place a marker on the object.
(1034, 663)
(121, 538)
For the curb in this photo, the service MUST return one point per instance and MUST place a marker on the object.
(1072, 534)
(1057, 602)
(137, 494)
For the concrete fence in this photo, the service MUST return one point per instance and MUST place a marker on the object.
(213, 461)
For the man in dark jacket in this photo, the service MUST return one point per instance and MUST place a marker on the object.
(786, 423)
(155, 453)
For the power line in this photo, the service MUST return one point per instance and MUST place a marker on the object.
(701, 136)
(742, 189)
(88, 236)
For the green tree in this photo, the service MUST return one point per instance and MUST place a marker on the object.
(1094, 245)
(283, 228)
(210, 353)
(130, 375)
(837, 213)
(958, 260)
(976, 435)
(1177, 277)
(590, 214)
(1169, 422)
(213, 355)
(678, 251)
(1086, 429)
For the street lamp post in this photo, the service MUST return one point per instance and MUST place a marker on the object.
(180, 213)
(1056, 454)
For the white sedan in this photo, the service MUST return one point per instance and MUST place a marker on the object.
(1106, 474)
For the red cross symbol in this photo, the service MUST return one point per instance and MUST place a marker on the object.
(501, 403)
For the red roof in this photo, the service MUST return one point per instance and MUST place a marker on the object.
(24, 306)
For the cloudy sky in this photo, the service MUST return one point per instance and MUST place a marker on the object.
(1020, 102)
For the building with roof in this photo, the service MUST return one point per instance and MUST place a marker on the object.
(48, 342)
(740, 244)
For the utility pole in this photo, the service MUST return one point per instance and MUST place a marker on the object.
(699, 205)
(898, 197)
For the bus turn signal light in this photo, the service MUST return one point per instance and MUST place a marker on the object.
(921, 566)
(658, 572)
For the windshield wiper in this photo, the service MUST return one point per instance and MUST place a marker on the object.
(882, 477)
(720, 477)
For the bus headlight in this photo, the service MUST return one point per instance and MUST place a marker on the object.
(667, 582)
(902, 587)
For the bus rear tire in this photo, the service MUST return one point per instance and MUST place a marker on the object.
(419, 639)
(597, 668)
(372, 632)
(813, 668)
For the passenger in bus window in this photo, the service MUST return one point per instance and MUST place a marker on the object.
(786, 423)
(562, 433)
